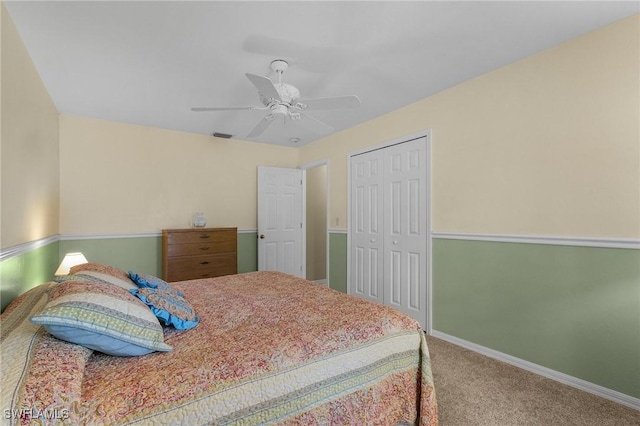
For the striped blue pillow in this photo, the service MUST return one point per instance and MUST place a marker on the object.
(103, 317)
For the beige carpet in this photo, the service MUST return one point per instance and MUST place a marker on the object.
(473, 389)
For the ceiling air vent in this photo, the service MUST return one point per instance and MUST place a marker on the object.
(222, 135)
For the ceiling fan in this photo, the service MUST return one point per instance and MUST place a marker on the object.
(283, 100)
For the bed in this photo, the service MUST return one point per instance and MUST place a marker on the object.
(269, 348)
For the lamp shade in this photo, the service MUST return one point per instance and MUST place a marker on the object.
(70, 260)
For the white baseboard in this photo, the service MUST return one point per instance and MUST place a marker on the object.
(322, 282)
(583, 385)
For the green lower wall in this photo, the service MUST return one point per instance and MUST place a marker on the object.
(575, 310)
(25, 271)
(247, 252)
(338, 261)
(140, 254)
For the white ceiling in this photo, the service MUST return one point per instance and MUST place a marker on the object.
(149, 62)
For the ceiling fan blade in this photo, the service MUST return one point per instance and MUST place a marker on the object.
(232, 108)
(315, 125)
(339, 102)
(265, 86)
(260, 127)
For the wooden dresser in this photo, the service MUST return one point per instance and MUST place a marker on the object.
(199, 253)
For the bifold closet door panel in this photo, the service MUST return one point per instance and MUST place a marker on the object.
(405, 230)
(367, 238)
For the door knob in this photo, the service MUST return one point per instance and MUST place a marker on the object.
(262, 236)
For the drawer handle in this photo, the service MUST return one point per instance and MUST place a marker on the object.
(204, 275)
(204, 263)
(204, 248)
(204, 236)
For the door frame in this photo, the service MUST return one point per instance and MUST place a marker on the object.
(428, 326)
(304, 168)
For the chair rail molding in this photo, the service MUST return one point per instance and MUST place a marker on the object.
(622, 243)
(23, 248)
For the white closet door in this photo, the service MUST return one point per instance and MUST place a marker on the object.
(405, 230)
(388, 227)
(367, 238)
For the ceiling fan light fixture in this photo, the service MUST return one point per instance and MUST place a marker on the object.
(287, 92)
(279, 109)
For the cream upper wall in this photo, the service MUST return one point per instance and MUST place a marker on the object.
(28, 145)
(121, 178)
(549, 145)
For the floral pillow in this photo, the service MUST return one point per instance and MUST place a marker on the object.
(149, 281)
(104, 272)
(99, 267)
(170, 308)
(95, 277)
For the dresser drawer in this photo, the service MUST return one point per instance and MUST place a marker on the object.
(187, 268)
(202, 236)
(197, 249)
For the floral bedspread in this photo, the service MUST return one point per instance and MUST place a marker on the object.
(270, 349)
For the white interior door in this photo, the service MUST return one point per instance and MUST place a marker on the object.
(388, 227)
(280, 233)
